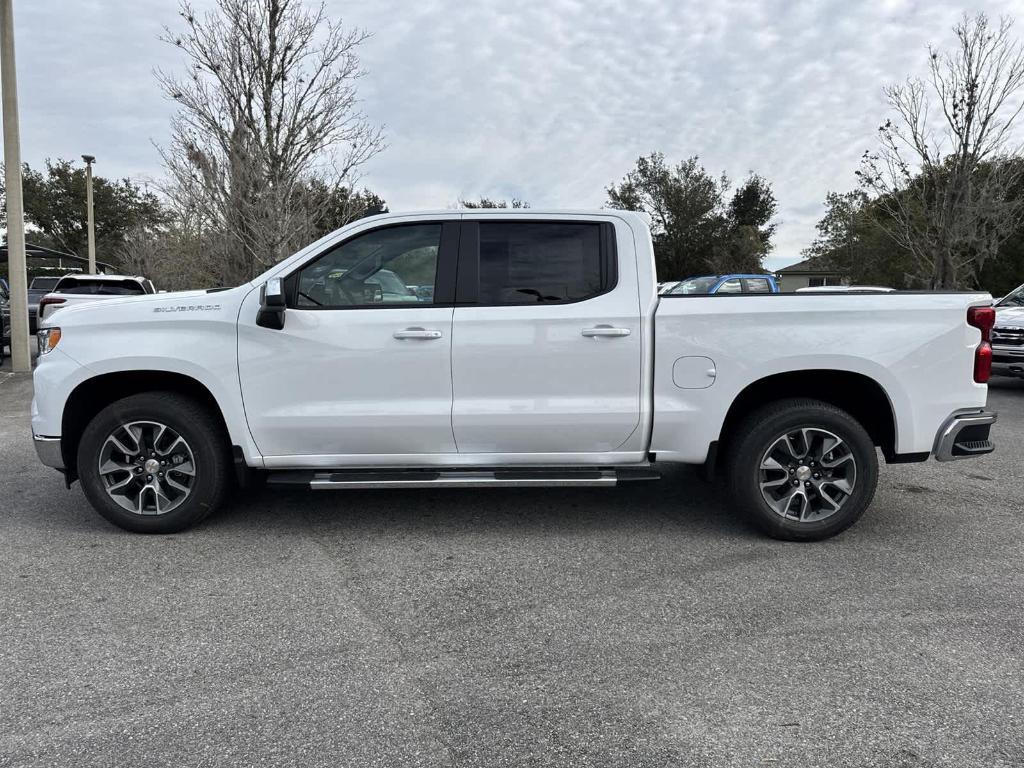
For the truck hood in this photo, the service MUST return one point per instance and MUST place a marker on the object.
(1010, 316)
(156, 304)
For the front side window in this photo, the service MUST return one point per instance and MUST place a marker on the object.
(541, 262)
(395, 266)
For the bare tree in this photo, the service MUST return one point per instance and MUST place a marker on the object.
(946, 169)
(268, 116)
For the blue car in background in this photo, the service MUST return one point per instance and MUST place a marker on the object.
(708, 284)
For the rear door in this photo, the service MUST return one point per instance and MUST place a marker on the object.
(547, 342)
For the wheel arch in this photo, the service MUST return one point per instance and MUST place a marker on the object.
(96, 393)
(859, 395)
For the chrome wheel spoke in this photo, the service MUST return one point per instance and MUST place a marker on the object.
(185, 468)
(175, 484)
(174, 444)
(119, 484)
(112, 465)
(126, 450)
(137, 476)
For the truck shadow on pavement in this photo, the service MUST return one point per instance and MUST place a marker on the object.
(681, 500)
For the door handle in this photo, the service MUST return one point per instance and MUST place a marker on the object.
(417, 333)
(605, 330)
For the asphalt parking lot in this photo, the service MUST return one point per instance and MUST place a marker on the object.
(639, 626)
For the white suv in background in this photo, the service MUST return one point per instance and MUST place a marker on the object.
(78, 289)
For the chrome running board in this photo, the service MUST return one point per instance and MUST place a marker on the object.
(460, 478)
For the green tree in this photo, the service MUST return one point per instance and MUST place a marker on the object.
(853, 238)
(55, 209)
(694, 230)
(941, 168)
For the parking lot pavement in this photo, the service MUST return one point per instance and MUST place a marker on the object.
(638, 626)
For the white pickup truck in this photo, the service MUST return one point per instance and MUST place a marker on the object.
(542, 355)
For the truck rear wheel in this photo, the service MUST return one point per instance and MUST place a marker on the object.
(156, 462)
(802, 470)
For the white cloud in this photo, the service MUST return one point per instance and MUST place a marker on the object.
(546, 100)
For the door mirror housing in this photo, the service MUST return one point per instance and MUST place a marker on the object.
(272, 305)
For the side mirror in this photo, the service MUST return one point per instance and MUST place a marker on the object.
(272, 305)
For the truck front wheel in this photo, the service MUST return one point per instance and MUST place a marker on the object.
(802, 470)
(155, 462)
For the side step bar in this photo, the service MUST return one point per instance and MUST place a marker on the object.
(459, 478)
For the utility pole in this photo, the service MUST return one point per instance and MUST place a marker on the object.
(21, 357)
(89, 160)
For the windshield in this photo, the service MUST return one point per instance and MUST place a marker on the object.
(1013, 299)
(44, 283)
(695, 285)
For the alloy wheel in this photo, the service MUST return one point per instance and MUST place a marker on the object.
(807, 474)
(147, 468)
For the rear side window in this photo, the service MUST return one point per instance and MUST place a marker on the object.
(756, 285)
(529, 262)
(730, 286)
(85, 286)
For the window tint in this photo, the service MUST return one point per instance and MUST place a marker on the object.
(85, 286)
(396, 266)
(756, 285)
(535, 262)
(730, 286)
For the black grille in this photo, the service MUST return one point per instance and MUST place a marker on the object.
(1008, 337)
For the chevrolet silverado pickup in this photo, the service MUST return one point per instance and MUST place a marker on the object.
(542, 355)
(1008, 335)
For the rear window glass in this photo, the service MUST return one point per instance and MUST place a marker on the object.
(44, 283)
(538, 262)
(85, 286)
(756, 285)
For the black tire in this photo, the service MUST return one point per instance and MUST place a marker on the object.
(756, 435)
(201, 430)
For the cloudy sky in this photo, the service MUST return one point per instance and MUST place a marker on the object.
(546, 100)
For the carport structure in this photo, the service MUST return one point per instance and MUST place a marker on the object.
(40, 252)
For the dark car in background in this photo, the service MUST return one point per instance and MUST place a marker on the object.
(39, 287)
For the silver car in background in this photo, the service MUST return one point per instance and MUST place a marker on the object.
(1008, 335)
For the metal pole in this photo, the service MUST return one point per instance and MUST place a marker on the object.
(89, 160)
(21, 358)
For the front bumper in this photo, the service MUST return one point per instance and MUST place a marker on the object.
(965, 435)
(49, 452)
(1007, 361)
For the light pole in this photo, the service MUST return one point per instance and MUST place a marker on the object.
(89, 160)
(21, 358)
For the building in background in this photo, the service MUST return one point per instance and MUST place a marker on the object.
(807, 273)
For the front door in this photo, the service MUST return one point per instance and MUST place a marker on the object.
(548, 349)
(362, 366)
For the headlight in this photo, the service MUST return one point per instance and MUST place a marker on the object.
(49, 338)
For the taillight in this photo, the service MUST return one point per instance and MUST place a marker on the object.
(50, 300)
(982, 318)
